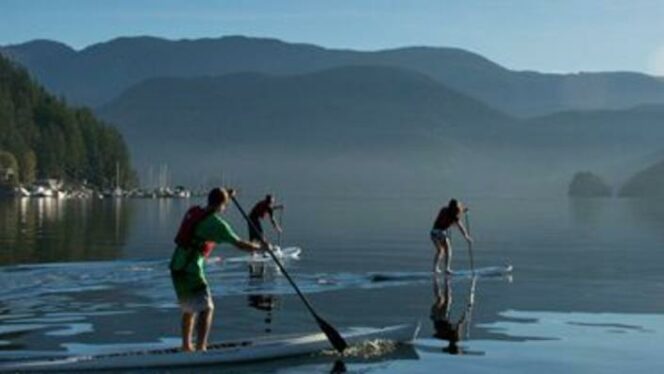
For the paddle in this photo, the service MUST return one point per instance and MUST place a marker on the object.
(470, 245)
(281, 224)
(332, 334)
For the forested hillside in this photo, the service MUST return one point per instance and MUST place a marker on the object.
(42, 137)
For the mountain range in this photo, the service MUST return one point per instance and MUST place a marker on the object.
(97, 74)
(374, 113)
(411, 115)
(364, 106)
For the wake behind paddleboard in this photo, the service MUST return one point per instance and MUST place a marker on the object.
(288, 253)
(265, 348)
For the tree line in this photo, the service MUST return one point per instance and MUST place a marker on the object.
(42, 137)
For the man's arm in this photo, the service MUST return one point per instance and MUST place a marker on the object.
(464, 231)
(274, 222)
(246, 245)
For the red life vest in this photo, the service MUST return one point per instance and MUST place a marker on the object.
(185, 236)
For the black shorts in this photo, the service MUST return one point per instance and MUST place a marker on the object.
(255, 231)
(438, 234)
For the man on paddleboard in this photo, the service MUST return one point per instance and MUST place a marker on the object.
(263, 208)
(200, 230)
(447, 216)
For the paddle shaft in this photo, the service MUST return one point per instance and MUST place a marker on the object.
(281, 224)
(470, 245)
(332, 334)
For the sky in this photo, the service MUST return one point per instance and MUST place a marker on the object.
(541, 35)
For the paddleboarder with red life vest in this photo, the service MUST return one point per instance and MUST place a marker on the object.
(262, 209)
(448, 216)
(200, 230)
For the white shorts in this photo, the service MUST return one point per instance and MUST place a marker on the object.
(437, 234)
(198, 302)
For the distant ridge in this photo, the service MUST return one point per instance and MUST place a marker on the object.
(99, 73)
(361, 105)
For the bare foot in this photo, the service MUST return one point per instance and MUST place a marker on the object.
(449, 272)
(187, 348)
(437, 270)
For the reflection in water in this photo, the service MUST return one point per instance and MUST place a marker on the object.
(441, 310)
(648, 211)
(57, 230)
(587, 211)
(258, 274)
(338, 367)
(614, 266)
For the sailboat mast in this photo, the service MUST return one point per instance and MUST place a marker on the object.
(117, 175)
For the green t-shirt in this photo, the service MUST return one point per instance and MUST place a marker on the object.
(189, 275)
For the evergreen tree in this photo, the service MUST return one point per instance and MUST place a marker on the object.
(47, 139)
(8, 169)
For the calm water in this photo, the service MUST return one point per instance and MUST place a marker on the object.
(585, 296)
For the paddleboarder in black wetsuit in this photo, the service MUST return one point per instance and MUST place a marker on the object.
(447, 216)
(265, 207)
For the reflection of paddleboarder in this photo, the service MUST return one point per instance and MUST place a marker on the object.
(262, 302)
(267, 304)
(444, 327)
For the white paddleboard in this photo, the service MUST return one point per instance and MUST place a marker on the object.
(484, 272)
(489, 271)
(288, 253)
(264, 348)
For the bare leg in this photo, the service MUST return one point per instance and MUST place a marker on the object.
(187, 327)
(203, 324)
(448, 298)
(448, 256)
(438, 256)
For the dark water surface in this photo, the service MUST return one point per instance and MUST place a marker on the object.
(585, 296)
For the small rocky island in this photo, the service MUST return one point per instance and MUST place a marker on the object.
(587, 184)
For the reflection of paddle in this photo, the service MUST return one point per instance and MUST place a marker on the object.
(470, 245)
(471, 302)
(332, 334)
(281, 225)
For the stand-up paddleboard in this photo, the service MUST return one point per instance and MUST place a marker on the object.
(489, 271)
(484, 272)
(259, 349)
(288, 253)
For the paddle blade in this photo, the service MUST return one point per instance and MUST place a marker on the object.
(333, 335)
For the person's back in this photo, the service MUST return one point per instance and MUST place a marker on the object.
(260, 210)
(190, 261)
(445, 219)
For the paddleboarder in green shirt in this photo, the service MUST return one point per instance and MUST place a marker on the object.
(200, 230)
